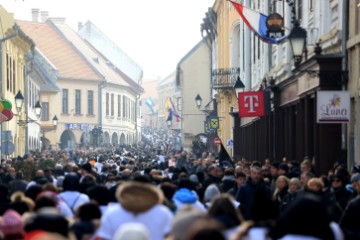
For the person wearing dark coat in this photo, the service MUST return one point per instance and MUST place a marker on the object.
(349, 221)
(228, 181)
(342, 196)
(4, 199)
(239, 181)
(9, 176)
(19, 184)
(247, 193)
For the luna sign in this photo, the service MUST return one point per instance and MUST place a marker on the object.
(333, 106)
(275, 25)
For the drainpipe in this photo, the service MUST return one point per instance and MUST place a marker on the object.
(344, 68)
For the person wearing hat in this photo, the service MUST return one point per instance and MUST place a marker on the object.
(138, 202)
(12, 225)
(349, 221)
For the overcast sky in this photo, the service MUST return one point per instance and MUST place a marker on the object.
(156, 34)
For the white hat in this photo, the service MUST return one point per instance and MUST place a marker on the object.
(133, 231)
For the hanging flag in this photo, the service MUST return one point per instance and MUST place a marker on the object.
(174, 111)
(150, 102)
(224, 158)
(170, 110)
(256, 22)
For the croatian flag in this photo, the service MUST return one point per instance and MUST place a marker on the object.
(256, 22)
(150, 103)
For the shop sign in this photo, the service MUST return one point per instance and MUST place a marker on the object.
(333, 107)
(275, 26)
(251, 104)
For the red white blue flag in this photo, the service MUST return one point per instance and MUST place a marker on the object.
(256, 22)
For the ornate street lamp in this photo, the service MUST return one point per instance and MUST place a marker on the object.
(297, 38)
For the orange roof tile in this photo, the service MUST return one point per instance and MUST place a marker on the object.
(65, 58)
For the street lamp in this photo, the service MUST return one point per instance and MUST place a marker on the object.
(297, 38)
(55, 121)
(19, 102)
(198, 101)
(38, 109)
(238, 86)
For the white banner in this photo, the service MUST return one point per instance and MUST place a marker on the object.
(333, 106)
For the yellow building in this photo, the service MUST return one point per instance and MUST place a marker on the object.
(225, 68)
(15, 47)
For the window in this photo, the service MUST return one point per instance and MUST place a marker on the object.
(77, 101)
(91, 102)
(299, 9)
(45, 111)
(112, 105)
(124, 107)
(14, 75)
(311, 5)
(119, 105)
(65, 101)
(7, 72)
(107, 104)
(178, 104)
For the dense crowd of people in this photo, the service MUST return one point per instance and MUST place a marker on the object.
(155, 191)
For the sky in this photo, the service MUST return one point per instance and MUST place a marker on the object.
(156, 34)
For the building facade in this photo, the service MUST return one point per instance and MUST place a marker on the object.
(193, 74)
(75, 104)
(149, 104)
(118, 118)
(353, 47)
(290, 131)
(15, 48)
(167, 89)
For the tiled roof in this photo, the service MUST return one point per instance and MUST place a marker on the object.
(62, 55)
(95, 59)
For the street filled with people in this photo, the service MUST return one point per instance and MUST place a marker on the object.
(156, 190)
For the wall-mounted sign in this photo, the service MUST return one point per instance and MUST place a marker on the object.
(72, 126)
(333, 107)
(214, 123)
(251, 104)
(275, 26)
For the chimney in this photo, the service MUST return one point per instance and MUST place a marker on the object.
(44, 16)
(80, 25)
(35, 14)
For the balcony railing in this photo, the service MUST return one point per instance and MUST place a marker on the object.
(224, 77)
